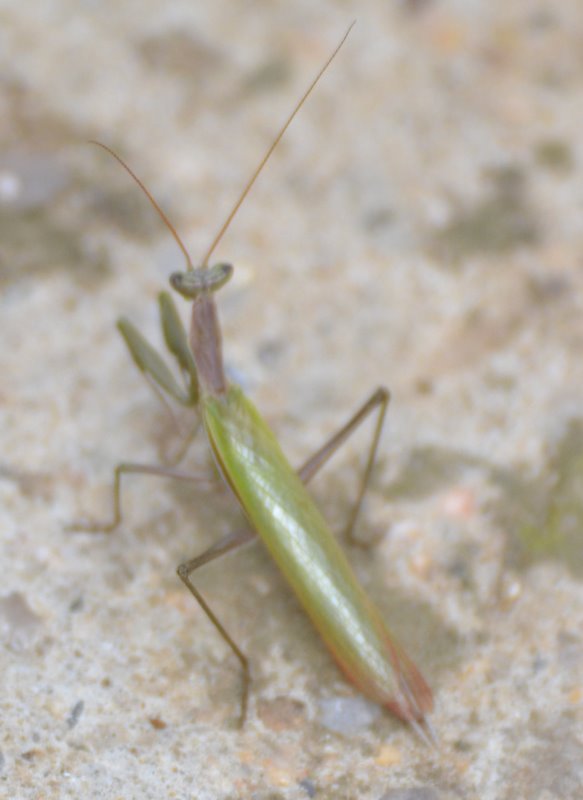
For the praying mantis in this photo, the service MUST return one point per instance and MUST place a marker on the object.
(271, 493)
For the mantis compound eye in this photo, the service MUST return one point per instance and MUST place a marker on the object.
(196, 281)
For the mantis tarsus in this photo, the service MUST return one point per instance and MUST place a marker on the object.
(270, 492)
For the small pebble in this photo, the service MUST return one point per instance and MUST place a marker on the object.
(309, 787)
(347, 715)
(19, 621)
(280, 713)
(75, 714)
(459, 503)
(388, 756)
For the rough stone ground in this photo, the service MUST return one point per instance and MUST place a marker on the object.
(421, 227)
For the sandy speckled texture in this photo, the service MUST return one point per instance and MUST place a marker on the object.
(420, 227)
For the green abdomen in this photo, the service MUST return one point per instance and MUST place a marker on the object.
(279, 508)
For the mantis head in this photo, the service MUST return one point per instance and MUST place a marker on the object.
(193, 282)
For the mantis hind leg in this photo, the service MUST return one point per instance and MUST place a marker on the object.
(379, 401)
(230, 542)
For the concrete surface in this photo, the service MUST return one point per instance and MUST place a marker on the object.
(421, 227)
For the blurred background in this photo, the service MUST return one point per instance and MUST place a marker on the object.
(418, 227)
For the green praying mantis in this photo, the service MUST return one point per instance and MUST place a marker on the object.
(270, 492)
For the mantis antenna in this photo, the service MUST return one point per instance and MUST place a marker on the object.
(148, 194)
(248, 185)
(274, 144)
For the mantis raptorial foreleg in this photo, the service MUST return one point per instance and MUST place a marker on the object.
(157, 373)
(161, 379)
(149, 362)
(379, 398)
